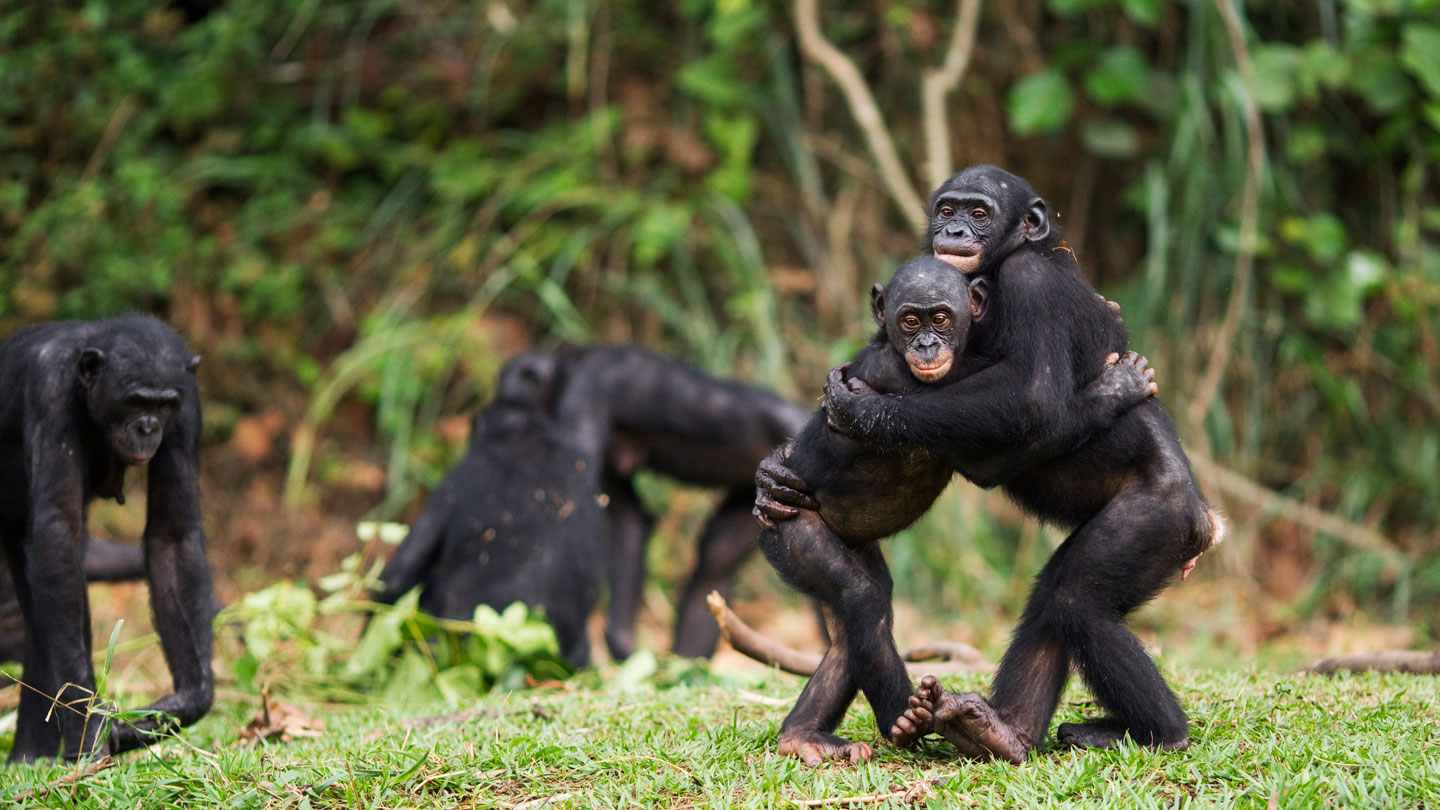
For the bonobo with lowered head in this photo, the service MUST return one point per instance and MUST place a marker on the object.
(860, 494)
(87, 400)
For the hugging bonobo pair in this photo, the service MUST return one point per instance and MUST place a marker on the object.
(994, 359)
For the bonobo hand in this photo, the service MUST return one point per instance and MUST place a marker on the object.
(780, 494)
(1114, 307)
(841, 399)
(1128, 379)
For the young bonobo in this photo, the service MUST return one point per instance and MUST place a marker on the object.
(86, 401)
(518, 519)
(635, 409)
(1126, 492)
(861, 495)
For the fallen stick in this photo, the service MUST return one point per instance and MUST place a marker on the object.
(753, 644)
(1413, 661)
(69, 778)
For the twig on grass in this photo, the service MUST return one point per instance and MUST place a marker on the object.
(753, 644)
(1412, 661)
(68, 779)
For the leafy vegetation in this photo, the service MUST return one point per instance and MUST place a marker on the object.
(706, 740)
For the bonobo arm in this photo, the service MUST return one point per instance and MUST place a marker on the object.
(181, 596)
(51, 588)
(1027, 397)
(420, 548)
(1124, 382)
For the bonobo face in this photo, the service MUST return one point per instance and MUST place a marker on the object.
(131, 403)
(926, 312)
(979, 216)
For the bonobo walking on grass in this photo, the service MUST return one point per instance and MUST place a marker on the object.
(1127, 492)
(518, 519)
(861, 495)
(85, 401)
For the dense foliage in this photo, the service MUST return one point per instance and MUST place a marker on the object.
(332, 195)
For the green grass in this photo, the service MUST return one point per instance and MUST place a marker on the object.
(1259, 740)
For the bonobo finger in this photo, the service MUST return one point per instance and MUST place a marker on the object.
(772, 510)
(1112, 358)
(764, 521)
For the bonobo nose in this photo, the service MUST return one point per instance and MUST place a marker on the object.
(149, 425)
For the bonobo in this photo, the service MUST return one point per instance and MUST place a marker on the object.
(862, 494)
(86, 401)
(634, 409)
(518, 519)
(1126, 492)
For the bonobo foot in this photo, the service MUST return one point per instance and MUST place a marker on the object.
(919, 720)
(1107, 733)
(973, 726)
(814, 747)
(780, 494)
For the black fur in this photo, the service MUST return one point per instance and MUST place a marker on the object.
(637, 409)
(86, 401)
(1126, 491)
(862, 494)
(518, 519)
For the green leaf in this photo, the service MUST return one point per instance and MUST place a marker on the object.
(1144, 12)
(1276, 66)
(1420, 52)
(713, 81)
(1040, 102)
(1122, 75)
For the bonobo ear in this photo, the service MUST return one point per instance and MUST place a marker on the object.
(877, 303)
(979, 298)
(1037, 221)
(193, 363)
(91, 361)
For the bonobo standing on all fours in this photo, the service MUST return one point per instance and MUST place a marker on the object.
(1126, 492)
(85, 401)
(862, 495)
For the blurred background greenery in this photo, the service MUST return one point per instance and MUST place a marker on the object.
(357, 210)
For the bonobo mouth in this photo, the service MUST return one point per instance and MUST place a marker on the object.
(966, 259)
(136, 458)
(930, 374)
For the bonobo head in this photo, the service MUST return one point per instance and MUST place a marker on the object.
(982, 214)
(523, 393)
(926, 311)
(528, 377)
(135, 375)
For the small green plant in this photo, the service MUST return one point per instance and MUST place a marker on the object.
(291, 635)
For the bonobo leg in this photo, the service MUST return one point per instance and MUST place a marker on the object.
(1109, 567)
(629, 536)
(728, 539)
(854, 589)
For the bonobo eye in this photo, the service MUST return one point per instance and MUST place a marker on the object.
(910, 323)
(941, 320)
(980, 214)
(946, 211)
